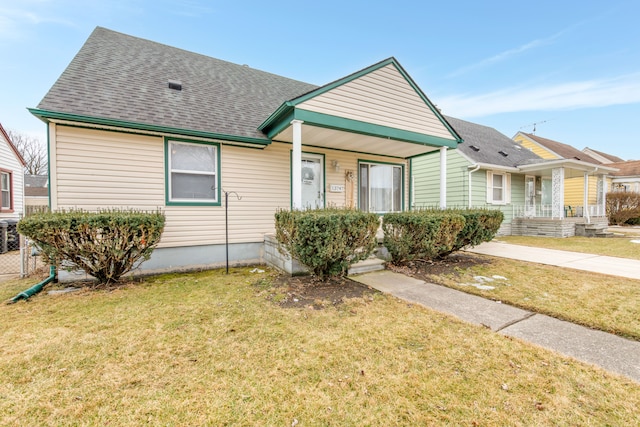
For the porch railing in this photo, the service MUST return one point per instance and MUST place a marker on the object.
(545, 211)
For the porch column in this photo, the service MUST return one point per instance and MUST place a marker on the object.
(296, 166)
(603, 205)
(443, 177)
(557, 193)
(585, 210)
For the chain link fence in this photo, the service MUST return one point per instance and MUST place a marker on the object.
(18, 256)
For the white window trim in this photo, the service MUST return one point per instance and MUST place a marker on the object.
(170, 199)
(506, 190)
(373, 163)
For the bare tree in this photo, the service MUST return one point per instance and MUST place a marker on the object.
(32, 150)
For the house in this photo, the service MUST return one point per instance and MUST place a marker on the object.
(36, 193)
(137, 124)
(11, 179)
(483, 171)
(491, 170)
(586, 186)
(627, 177)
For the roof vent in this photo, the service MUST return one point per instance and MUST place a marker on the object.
(503, 153)
(175, 84)
(576, 157)
(474, 148)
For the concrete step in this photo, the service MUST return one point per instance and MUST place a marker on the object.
(366, 266)
(604, 234)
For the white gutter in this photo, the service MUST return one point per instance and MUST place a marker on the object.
(475, 168)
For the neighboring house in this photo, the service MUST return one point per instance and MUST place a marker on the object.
(593, 177)
(627, 177)
(36, 192)
(137, 124)
(603, 158)
(11, 179)
(491, 170)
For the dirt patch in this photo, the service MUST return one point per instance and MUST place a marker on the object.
(311, 292)
(431, 271)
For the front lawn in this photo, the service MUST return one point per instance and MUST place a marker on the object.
(212, 349)
(622, 247)
(608, 303)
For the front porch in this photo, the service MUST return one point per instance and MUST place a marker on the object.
(563, 198)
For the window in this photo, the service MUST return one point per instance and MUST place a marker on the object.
(381, 187)
(192, 173)
(5, 189)
(498, 188)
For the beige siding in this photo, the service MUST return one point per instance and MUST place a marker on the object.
(100, 169)
(9, 162)
(382, 97)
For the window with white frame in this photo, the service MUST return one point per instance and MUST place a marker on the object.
(5, 190)
(192, 173)
(380, 187)
(498, 188)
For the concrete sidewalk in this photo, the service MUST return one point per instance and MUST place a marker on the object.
(614, 266)
(608, 351)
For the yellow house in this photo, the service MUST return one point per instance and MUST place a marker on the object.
(593, 179)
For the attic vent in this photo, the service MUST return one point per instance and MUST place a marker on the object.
(577, 158)
(175, 85)
(503, 153)
(474, 148)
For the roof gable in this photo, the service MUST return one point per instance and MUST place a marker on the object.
(483, 144)
(603, 157)
(382, 94)
(563, 151)
(5, 136)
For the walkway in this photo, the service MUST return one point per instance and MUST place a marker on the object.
(608, 351)
(623, 267)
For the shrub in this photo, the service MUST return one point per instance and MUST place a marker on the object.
(106, 244)
(481, 225)
(421, 235)
(622, 206)
(327, 241)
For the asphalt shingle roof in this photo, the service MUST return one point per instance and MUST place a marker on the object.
(629, 168)
(483, 144)
(120, 77)
(563, 150)
(610, 157)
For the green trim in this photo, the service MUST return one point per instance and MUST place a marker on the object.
(324, 177)
(46, 115)
(402, 165)
(168, 202)
(364, 128)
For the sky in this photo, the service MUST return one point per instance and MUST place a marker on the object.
(569, 69)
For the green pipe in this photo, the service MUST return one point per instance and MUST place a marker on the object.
(35, 288)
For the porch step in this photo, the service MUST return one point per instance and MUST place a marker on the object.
(592, 230)
(604, 234)
(366, 266)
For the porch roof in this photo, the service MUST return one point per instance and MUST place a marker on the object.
(572, 168)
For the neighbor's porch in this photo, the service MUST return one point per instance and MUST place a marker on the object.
(546, 211)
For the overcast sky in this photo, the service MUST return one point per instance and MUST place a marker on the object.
(572, 68)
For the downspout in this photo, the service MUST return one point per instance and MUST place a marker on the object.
(475, 169)
(35, 288)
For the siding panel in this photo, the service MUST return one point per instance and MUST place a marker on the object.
(381, 97)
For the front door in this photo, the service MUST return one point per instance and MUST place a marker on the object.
(312, 181)
(530, 196)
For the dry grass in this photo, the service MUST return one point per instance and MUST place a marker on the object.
(608, 303)
(614, 246)
(210, 349)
